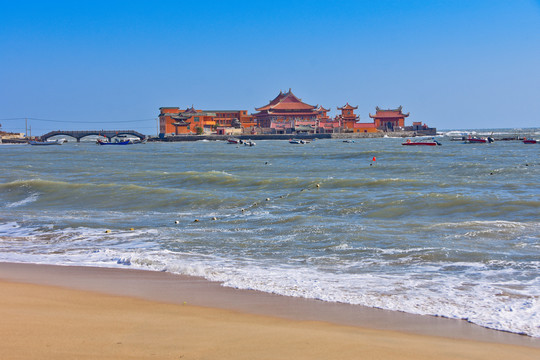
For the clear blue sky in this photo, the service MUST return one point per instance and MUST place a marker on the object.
(112, 64)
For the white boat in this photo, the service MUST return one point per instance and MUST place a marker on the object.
(298, 141)
(48, 142)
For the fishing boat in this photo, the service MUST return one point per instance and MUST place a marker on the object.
(421, 143)
(234, 141)
(138, 141)
(48, 142)
(529, 141)
(124, 142)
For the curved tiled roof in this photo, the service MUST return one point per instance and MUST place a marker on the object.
(388, 113)
(321, 108)
(347, 107)
(287, 101)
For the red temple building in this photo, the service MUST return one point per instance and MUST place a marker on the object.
(324, 123)
(323, 116)
(348, 117)
(350, 121)
(389, 119)
(174, 121)
(287, 112)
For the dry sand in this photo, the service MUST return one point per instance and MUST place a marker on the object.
(51, 312)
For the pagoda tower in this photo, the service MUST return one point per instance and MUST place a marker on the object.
(348, 117)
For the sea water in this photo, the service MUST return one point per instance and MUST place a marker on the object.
(451, 230)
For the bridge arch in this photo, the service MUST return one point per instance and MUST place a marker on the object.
(79, 134)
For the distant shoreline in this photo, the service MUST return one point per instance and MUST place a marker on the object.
(517, 136)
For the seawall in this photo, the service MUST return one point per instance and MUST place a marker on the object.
(284, 136)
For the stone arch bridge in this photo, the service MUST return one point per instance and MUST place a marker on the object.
(79, 134)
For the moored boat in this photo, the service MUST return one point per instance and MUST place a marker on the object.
(298, 141)
(422, 142)
(529, 141)
(125, 142)
(478, 140)
(48, 142)
(234, 141)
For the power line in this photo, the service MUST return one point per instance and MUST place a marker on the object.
(79, 121)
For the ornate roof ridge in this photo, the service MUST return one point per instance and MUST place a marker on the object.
(347, 106)
(398, 110)
(282, 99)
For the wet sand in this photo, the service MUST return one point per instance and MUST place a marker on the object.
(77, 312)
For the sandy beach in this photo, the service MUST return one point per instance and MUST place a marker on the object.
(54, 312)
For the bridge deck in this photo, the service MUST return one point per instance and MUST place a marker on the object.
(79, 134)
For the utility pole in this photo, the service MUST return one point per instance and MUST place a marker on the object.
(25, 127)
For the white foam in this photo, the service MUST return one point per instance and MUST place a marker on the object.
(499, 293)
(33, 197)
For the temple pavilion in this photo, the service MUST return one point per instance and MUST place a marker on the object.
(389, 119)
(286, 111)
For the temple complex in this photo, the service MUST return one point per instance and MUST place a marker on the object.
(389, 119)
(285, 114)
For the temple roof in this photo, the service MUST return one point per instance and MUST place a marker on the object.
(389, 113)
(286, 101)
(190, 110)
(347, 107)
(286, 113)
(321, 108)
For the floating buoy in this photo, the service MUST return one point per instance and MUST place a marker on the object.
(267, 199)
(196, 220)
(177, 222)
(318, 185)
(374, 159)
(107, 231)
(243, 210)
(214, 218)
(131, 229)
